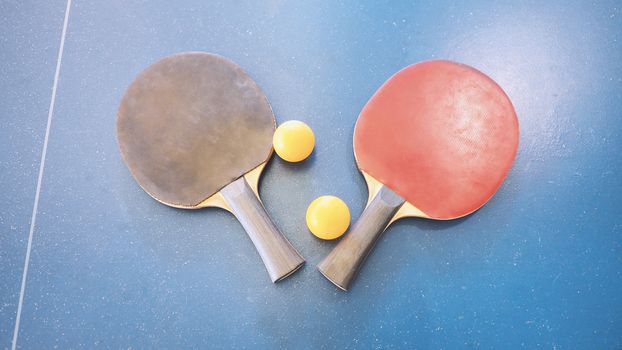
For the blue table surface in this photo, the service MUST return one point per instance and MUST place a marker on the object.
(105, 266)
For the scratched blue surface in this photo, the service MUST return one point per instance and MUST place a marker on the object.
(29, 41)
(537, 267)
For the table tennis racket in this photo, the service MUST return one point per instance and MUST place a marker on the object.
(435, 141)
(196, 131)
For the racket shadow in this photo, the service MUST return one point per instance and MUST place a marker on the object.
(417, 252)
(422, 224)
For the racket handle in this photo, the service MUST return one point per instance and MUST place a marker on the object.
(344, 261)
(279, 256)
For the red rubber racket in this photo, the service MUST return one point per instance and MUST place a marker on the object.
(435, 141)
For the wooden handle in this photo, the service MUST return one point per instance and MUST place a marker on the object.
(344, 261)
(279, 256)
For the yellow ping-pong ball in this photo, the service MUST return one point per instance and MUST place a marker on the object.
(293, 141)
(328, 217)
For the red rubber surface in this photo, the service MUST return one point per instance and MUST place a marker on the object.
(442, 135)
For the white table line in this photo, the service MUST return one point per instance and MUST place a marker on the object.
(40, 177)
